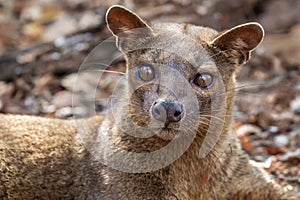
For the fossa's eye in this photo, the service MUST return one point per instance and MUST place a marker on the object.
(145, 73)
(203, 81)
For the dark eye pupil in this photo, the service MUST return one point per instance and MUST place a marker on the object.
(145, 73)
(203, 80)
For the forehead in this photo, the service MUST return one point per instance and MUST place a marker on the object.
(181, 42)
(197, 33)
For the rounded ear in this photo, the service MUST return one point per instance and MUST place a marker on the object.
(126, 26)
(120, 19)
(243, 39)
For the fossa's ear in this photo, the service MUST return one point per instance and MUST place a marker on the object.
(243, 39)
(125, 24)
(120, 19)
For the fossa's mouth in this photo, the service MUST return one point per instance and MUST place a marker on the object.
(167, 133)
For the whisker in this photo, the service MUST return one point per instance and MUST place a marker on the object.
(249, 93)
(217, 118)
(109, 71)
(104, 70)
(246, 86)
(237, 88)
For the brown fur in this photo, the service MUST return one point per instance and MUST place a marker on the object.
(54, 159)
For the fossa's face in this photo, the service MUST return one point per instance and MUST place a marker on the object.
(173, 82)
(179, 75)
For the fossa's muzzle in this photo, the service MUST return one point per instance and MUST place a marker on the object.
(167, 111)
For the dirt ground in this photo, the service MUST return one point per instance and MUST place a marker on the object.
(43, 43)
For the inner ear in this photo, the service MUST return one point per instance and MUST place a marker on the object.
(243, 39)
(120, 19)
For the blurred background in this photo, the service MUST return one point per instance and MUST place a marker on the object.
(43, 43)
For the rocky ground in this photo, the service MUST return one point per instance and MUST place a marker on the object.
(43, 43)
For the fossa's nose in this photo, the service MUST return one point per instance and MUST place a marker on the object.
(167, 111)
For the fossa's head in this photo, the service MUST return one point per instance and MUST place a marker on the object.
(179, 75)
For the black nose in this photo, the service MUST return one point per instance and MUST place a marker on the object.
(167, 111)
